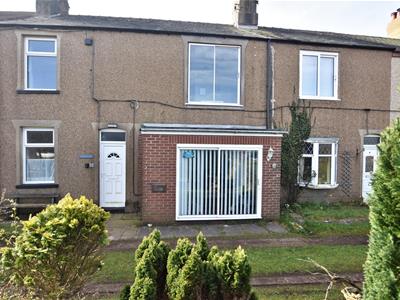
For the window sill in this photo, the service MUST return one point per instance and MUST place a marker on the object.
(320, 187)
(319, 98)
(214, 105)
(46, 92)
(37, 186)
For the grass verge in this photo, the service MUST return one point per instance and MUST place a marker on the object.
(325, 219)
(118, 265)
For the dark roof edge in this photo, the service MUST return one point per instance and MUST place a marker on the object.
(173, 32)
(121, 29)
(376, 47)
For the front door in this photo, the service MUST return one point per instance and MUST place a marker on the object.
(112, 171)
(370, 156)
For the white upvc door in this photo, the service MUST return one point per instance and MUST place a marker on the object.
(370, 156)
(112, 174)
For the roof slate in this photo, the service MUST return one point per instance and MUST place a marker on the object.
(195, 28)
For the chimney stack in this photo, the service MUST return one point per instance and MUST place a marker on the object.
(48, 8)
(245, 14)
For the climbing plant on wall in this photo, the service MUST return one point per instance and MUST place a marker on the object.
(293, 143)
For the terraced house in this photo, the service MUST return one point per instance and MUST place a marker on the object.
(180, 120)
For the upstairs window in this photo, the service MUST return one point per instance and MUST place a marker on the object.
(38, 155)
(40, 64)
(318, 75)
(317, 167)
(214, 75)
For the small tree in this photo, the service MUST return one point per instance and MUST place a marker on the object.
(57, 250)
(151, 268)
(292, 148)
(382, 268)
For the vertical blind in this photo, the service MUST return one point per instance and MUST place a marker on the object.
(217, 182)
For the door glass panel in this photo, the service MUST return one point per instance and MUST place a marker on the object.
(324, 170)
(113, 136)
(305, 169)
(369, 164)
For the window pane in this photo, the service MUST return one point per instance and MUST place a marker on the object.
(372, 140)
(42, 72)
(40, 164)
(325, 148)
(305, 169)
(308, 148)
(42, 137)
(201, 73)
(309, 75)
(41, 46)
(113, 136)
(327, 76)
(226, 74)
(324, 170)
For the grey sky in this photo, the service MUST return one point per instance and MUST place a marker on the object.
(359, 17)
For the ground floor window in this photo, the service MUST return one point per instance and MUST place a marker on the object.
(318, 165)
(38, 155)
(218, 181)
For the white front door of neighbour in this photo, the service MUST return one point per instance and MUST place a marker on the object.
(112, 169)
(370, 156)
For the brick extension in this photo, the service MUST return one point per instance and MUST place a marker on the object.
(158, 165)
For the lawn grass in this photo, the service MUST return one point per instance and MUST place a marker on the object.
(267, 261)
(298, 292)
(118, 265)
(324, 219)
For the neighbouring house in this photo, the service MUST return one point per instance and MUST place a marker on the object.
(180, 120)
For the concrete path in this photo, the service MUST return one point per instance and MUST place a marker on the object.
(127, 227)
(126, 233)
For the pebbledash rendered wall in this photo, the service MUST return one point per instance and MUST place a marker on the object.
(158, 166)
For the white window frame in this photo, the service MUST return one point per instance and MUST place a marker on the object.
(28, 53)
(319, 54)
(214, 102)
(258, 148)
(26, 145)
(315, 164)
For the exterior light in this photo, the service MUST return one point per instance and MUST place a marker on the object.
(112, 125)
(270, 153)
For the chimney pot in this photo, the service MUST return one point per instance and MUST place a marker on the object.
(52, 7)
(245, 13)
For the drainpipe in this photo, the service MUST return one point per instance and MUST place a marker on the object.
(270, 82)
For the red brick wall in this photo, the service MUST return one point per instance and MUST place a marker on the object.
(158, 165)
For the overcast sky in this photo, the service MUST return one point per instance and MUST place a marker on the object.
(359, 17)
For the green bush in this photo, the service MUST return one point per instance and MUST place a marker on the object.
(151, 268)
(233, 271)
(125, 293)
(187, 270)
(382, 268)
(57, 250)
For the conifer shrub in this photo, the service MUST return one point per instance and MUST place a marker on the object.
(382, 267)
(151, 268)
(194, 271)
(57, 251)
